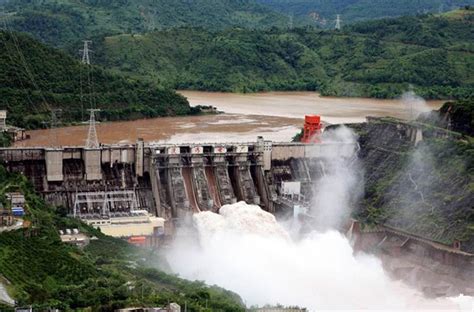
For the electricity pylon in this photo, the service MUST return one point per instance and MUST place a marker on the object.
(92, 139)
(290, 21)
(85, 52)
(55, 121)
(338, 22)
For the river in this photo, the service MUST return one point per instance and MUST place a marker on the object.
(276, 116)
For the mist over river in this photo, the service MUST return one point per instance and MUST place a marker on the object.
(276, 116)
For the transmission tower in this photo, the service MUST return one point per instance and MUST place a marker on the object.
(290, 21)
(52, 124)
(55, 117)
(92, 139)
(338, 22)
(85, 52)
(55, 121)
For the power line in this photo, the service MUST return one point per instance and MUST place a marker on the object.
(24, 62)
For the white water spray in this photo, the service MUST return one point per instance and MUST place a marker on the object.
(244, 249)
(414, 104)
(340, 184)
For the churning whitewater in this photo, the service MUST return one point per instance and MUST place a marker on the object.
(245, 249)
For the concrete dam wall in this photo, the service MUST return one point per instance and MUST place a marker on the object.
(171, 181)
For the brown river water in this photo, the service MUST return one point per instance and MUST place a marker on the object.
(276, 116)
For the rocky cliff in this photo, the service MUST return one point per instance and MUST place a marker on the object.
(418, 179)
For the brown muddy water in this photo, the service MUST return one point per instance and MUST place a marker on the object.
(276, 116)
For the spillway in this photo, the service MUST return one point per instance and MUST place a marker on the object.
(188, 184)
(213, 188)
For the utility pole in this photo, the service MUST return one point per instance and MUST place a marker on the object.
(85, 52)
(92, 139)
(338, 22)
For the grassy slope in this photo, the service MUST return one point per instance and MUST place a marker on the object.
(35, 78)
(106, 275)
(377, 58)
(82, 19)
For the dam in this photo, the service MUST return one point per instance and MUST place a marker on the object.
(171, 181)
(123, 187)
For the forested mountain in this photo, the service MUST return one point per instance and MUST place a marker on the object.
(432, 54)
(35, 78)
(61, 22)
(323, 12)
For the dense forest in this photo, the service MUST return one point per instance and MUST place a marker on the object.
(35, 78)
(323, 12)
(84, 19)
(106, 275)
(431, 54)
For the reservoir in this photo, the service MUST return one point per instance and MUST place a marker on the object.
(276, 116)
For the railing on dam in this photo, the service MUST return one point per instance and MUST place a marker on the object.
(118, 152)
(140, 154)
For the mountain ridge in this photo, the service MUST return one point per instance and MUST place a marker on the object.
(84, 19)
(382, 58)
(323, 12)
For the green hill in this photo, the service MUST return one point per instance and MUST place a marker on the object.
(323, 12)
(106, 275)
(84, 19)
(383, 58)
(35, 78)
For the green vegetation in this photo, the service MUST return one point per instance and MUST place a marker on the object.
(314, 11)
(35, 78)
(431, 54)
(461, 116)
(5, 139)
(107, 274)
(85, 19)
(426, 190)
(382, 59)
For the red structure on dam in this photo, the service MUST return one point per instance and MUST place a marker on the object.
(312, 129)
